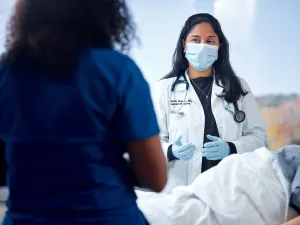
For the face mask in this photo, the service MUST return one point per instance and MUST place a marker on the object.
(201, 56)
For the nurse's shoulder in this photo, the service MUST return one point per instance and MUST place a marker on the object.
(110, 56)
(118, 67)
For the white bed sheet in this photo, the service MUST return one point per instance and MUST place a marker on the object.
(243, 189)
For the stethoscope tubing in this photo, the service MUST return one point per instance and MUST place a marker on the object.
(239, 116)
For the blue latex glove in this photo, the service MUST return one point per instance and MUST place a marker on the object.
(183, 151)
(217, 149)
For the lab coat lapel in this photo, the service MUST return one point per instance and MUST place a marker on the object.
(179, 93)
(192, 95)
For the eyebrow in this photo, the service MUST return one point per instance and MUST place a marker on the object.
(211, 36)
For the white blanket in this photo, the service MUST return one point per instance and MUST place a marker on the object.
(244, 189)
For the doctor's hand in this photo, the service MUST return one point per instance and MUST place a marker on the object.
(215, 150)
(183, 151)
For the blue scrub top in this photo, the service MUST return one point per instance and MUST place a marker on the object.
(65, 140)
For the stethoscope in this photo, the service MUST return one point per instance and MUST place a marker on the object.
(187, 85)
(239, 116)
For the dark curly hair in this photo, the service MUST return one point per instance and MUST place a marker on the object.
(56, 31)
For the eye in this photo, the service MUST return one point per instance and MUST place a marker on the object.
(195, 40)
(211, 42)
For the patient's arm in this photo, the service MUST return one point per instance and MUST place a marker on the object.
(295, 221)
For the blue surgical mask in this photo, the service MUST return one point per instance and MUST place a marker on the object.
(201, 56)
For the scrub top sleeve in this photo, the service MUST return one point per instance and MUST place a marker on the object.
(136, 117)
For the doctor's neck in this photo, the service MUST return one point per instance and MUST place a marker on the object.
(193, 73)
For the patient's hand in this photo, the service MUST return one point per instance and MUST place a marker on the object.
(292, 214)
(295, 221)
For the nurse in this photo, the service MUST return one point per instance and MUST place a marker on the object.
(204, 110)
(70, 107)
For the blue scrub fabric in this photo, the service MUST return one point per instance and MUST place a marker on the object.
(65, 139)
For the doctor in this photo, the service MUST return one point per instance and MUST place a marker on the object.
(204, 110)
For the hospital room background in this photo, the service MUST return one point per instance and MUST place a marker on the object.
(264, 43)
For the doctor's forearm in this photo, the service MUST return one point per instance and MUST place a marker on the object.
(232, 148)
(170, 155)
(249, 143)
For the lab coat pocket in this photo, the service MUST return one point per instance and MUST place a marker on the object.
(181, 118)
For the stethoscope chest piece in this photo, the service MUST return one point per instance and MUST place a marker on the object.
(239, 116)
(179, 113)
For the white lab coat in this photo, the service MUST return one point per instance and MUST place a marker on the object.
(246, 136)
